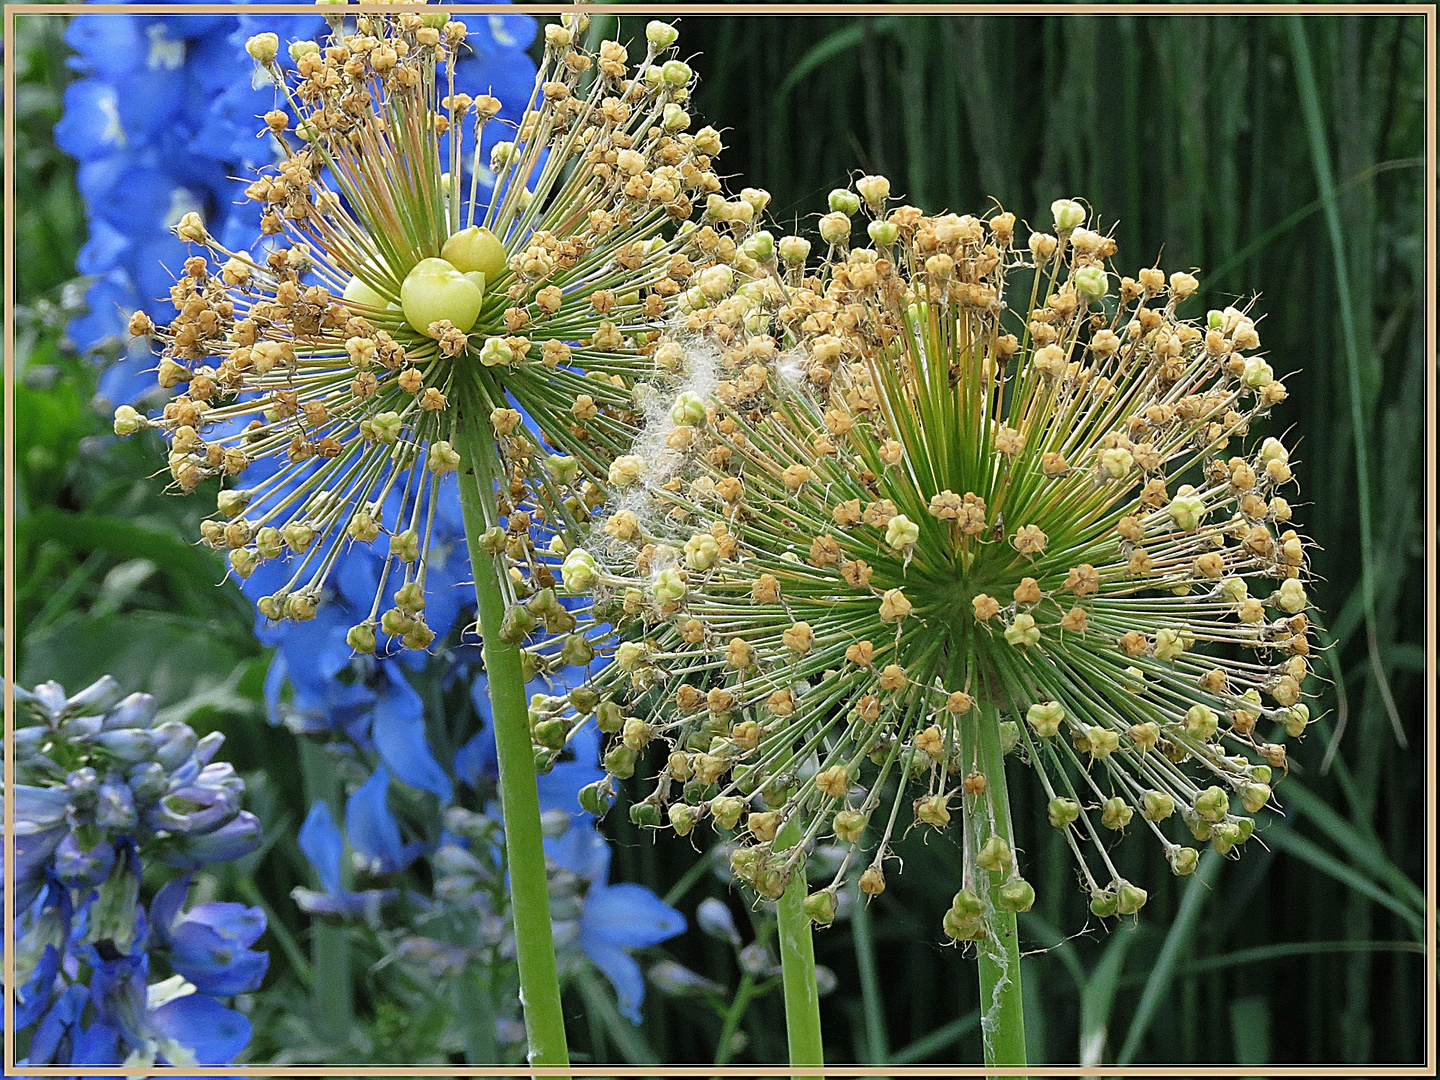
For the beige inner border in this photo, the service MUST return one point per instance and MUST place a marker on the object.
(675, 9)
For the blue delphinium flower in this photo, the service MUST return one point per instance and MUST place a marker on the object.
(163, 121)
(130, 121)
(102, 790)
(615, 919)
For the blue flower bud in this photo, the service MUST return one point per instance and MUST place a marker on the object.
(82, 789)
(135, 711)
(28, 741)
(50, 699)
(715, 918)
(81, 728)
(148, 781)
(40, 806)
(127, 744)
(82, 869)
(116, 807)
(192, 809)
(95, 698)
(208, 747)
(174, 742)
(238, 837)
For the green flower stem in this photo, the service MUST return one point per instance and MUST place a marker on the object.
(519, 798)
(329, 947)
(797, 963)
(1002, 1011)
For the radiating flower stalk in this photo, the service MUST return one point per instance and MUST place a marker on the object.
(400, 328)
(897, 517)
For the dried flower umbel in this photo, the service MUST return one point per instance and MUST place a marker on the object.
(329, 378)
(896, 522)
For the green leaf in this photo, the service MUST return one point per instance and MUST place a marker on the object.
(171, 656)
(1250, 1027)
(823, 51)
(1176, 938)
(1358, 842)
(1099, 996)
(1292, 843)
(194, 571)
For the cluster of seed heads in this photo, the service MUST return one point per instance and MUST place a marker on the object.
(330, 383)
(855, 530)
(953, 496)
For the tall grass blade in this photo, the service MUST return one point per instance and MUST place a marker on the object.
(1324, 178)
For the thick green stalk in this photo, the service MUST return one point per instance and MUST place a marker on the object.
(1002, 1010)
(331, 993)
(797, 963)
(519, 798)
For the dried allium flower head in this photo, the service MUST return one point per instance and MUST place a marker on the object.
(332, 378)
(896, 521)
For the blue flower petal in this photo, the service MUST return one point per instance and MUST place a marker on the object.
(213, 1033)
(628, 915)
(99, 1044)
(90, 126)
(398, 729)
(372, 828)
(583, 851)
(323, 845)
(624, 975)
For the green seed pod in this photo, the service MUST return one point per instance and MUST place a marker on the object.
(771, 885)
(850, 826)
(1224, 837)
(844, 201)
(584, 699)
(645, 814)
(410, 598)
(961, 929)
(609, 717)
(395, 622)
(1130, 899)
(550, 733)
(1104, 903)
(1157, 805)
(361, 637)
(1016, 895)
(1116, 813)
(595, 798)
(1183, 860)
(1212, 804)
(544, 759)
(576, 651)
(619, 762)
(726, 810)
(967, 904)
(1254, 797)
(697, 791)
(1063, 812)
(683, 818)
(820, 906)
(995, 855)
(517, 624)
(532, 665)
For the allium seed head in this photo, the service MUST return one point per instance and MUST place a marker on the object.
(953, 527)
(338, 374)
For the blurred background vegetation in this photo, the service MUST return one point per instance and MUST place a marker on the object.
(1283, 157)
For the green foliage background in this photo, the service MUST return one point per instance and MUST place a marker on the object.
(1209, 142)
